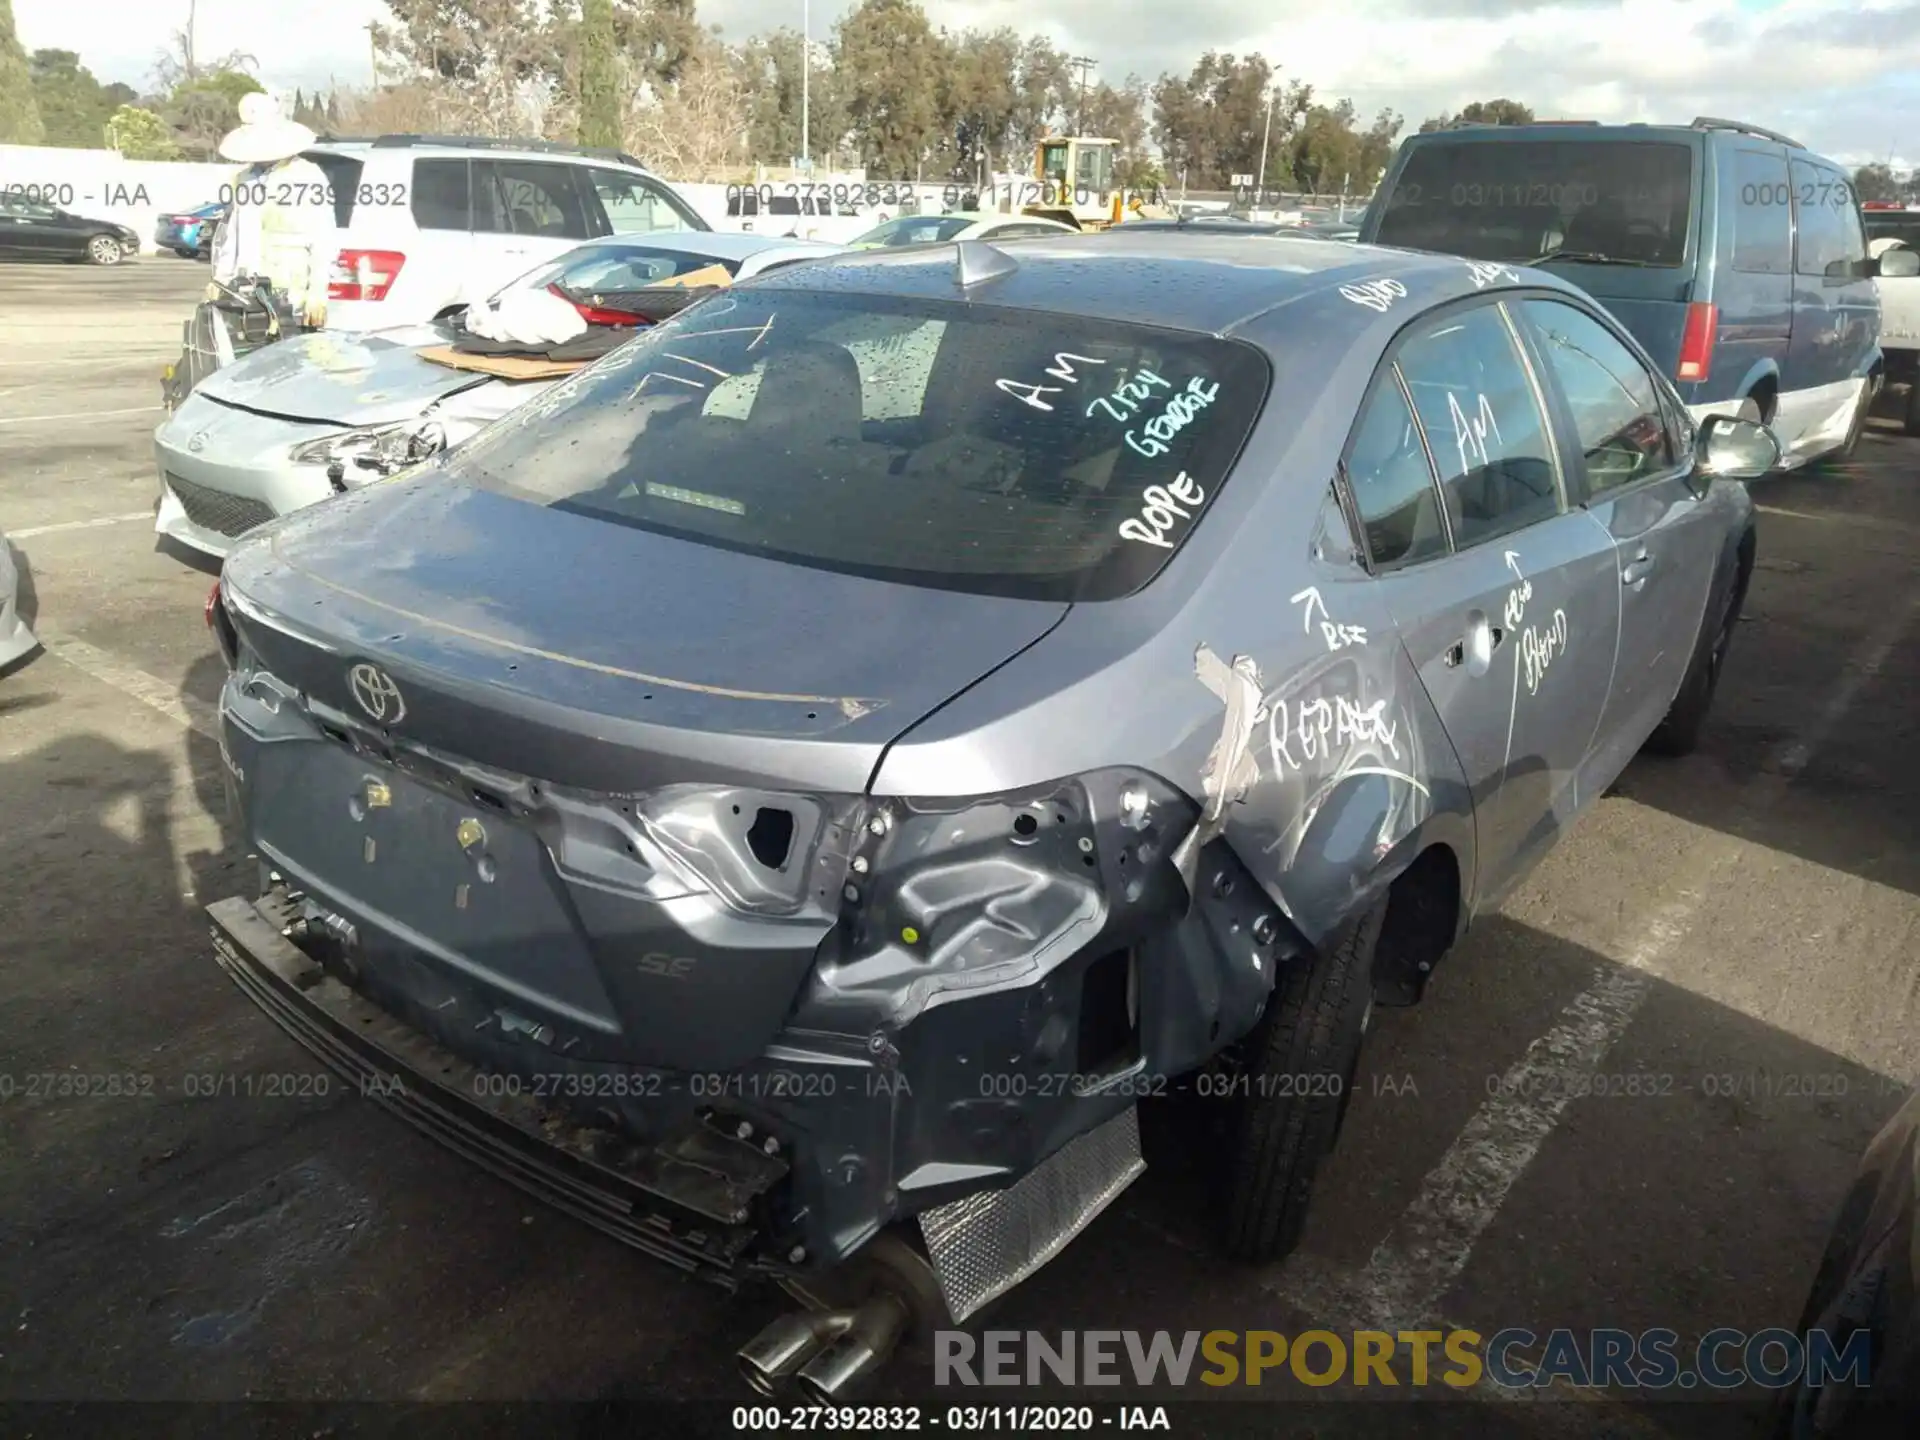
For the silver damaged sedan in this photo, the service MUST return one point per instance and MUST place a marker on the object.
(791, 792)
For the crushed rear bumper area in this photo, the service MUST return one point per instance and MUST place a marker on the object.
(686, 1199)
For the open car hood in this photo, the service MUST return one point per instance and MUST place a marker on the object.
(342, 379)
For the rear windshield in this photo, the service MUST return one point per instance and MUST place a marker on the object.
(597, 270)
(931, 442)
(1523, 200)
(916, 230)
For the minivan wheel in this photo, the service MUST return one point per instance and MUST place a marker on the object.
(103, 250)
(1301, 1063)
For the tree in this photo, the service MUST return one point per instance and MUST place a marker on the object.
(140, 135)
(73, 107)
(1483, 112)
(1329, 154)
(599, 77)
(1877, 182)
(1210, 124)
(200, 111)
(19, 114)
(694, 128)
(769, 69)
(1121, 114)
(892, 63)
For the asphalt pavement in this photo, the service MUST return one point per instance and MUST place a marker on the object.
(1739, 930)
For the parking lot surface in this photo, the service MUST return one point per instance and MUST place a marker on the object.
(1739, 932)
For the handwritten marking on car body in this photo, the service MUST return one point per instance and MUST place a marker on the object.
(1337, 635)
(1470, 431)
(1485, 272)
(1516, 607)
(1539, 646)
(1324, 729)
(1376, 295)
(1164, 506)
(1131, 393)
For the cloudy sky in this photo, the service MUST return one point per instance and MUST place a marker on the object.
(1840, 75)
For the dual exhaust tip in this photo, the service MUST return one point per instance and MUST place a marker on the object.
(828, 1354)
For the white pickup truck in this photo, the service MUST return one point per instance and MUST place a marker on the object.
(1899, 306)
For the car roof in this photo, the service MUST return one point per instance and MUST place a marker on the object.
(1210, 282)
(361, 148)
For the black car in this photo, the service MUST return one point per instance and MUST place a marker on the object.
(1866, 1283)
(35, 230)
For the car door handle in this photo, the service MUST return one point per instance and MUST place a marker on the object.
(1636, 569)
(1457, 656)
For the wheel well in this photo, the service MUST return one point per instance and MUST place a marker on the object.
(1765, 394)
(1423, 915)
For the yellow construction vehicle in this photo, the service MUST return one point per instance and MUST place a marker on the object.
(1072, 182)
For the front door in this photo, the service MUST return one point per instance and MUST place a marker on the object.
(1512, 619)
(1636, 480)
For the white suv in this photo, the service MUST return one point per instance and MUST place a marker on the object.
(429, 223)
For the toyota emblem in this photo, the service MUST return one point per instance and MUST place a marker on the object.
(376, 693)
(198, 442)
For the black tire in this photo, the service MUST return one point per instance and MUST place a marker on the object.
(103, 250)
(1679, 733)
(1311, 1033)
(1910, 413)
(186, 252)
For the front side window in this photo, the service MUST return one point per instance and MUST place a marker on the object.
(1628, 202)
(1392, 482)
(1615, 403)
(1476, 403)
(931, 442)
(635, 205)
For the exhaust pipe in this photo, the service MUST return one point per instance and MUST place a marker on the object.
(862, 1348)
(787, 1344)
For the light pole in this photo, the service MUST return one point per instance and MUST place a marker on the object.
(1260, 180)
(806, 71)
(1083, 65)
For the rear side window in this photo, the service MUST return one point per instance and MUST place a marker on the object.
(1616, 405)
(634, 205)
(1518, 200)
(1392, 483)
(1476, 404)
(1827, 223)
(442, 197)
(343, 174)
(1763, 214)
(528, 197)
(934, 443)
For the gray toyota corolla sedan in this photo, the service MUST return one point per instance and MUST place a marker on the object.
(789, 793)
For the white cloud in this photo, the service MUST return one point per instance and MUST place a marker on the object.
(1837, 74)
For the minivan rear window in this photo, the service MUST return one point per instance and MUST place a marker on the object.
(1523, 200)
(936, 443)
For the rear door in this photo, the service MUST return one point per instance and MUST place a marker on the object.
(524, 212)
(1753, 277)
(1836, 313)
(1635, 477)
(1506, 600)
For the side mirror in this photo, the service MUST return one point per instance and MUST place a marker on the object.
(1899, 263)
(1733, 449)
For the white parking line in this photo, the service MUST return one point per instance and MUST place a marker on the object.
(187, 710)
(1411, 1270)
(80, 415)
(64, 525)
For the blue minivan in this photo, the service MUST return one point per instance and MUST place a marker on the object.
(1734, 255)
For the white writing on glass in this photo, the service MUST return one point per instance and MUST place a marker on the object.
(1132, 393)
(1539, 647)
(1061, 369)
(1485, 272)
(1518, 596)
(1176, 417)
(1470, 432)
(1375, 294)
(1163, 506)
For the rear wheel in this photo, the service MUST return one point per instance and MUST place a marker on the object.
(103, 250)
(1301, 1062)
